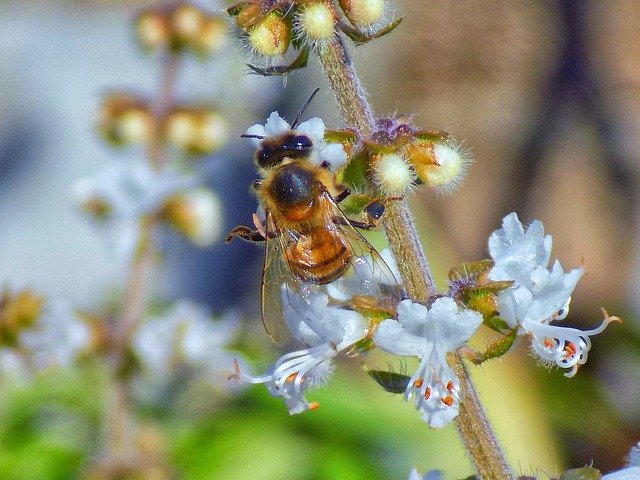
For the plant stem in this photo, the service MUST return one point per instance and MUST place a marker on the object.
(473, 426)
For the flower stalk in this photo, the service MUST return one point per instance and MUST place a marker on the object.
(473, 426)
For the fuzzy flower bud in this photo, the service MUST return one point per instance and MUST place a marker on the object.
(316, 23)
(439, 165)
(392, 174)
(197, 215)
(270, 37)
(124, 119)
(152, 29)
(364, 14)
(186, 22)
(196, 131)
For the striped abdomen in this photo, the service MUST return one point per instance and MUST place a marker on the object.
(320, 256)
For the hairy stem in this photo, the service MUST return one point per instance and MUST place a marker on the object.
(474, 428)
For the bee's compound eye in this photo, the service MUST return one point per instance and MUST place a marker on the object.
(298, 143)
(265, 156)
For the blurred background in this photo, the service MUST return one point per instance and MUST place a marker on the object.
(545, 94)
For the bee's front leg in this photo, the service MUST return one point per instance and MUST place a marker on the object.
(247, 234)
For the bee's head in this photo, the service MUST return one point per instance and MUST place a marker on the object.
(273, 151)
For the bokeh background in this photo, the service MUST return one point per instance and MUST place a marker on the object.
(547, 96)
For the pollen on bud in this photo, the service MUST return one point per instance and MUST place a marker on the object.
(364, 14)
(196, 214)
(270, 37)
(316, 22)
(152, 29)
(446, 168)
(393, 175)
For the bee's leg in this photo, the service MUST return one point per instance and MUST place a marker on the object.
(354, 223)
(245, 233)
(342, 195)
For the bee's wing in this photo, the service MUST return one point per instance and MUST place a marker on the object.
(368, 275)
(282, 290)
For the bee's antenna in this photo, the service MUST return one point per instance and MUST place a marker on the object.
(259, 137)
(304, 107)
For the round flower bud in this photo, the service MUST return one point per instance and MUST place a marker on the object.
(316, 22)
(446, 170)
(124, 119)
(393, 175)
(196, 214)
(212, 132)
(134, 126)
(211, 36)
(152, 29)
(270, 37)
(249, 16)
(17, 311)
(364, 14)
(187, 22)
(180, 129)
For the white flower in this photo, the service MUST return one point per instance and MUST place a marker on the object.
(630, 473)
(129, 191)
(430, 475)
(538, 295)
(429, 334)
(197, 214)
(331, 153)
(326, 330)
(57, 337)
(186, 335)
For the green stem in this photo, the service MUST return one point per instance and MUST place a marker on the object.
(473, 426)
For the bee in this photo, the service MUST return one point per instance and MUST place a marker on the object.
(309, 243)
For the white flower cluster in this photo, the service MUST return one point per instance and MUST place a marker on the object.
(539, 295)
(322, 152)
(56, 339)
(121, 195)
(186, 335)
(319, 321)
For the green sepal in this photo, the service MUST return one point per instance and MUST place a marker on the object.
(497, 348)
(392, 382)
(340, 136)
(496, 323)
(355, 204)
(432, 135)
(363, 345)
(585, 473)
(278, 70)
(355, 174)
(360, 38)
(470, 270)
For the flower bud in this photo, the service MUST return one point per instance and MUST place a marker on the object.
(440, 165)
(17, 311)
(196, 131)
(248, 15)
(270, 37)
(364, 14)
(124, 119)
(186, 22)
(152, 29)
(85, 196)
(316, 22)
(211, 36)
(196, 214)
(392, 174)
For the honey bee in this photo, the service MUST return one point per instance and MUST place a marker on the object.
(309, 243)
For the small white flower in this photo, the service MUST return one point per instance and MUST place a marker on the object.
(57, 337)
(186, 335)
(538, 296)
(429, 334)
(130, 191)
(326, 330)
(314, 128)
(430, 475)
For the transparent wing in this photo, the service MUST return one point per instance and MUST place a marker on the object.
(368, 277)
(275, 272)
